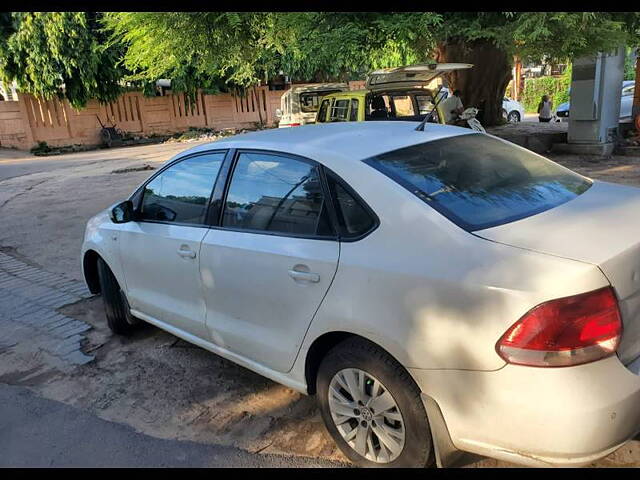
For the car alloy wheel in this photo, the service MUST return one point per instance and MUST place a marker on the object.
(366, 415)
(514, 117)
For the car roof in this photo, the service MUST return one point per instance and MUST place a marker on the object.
(338, 141)
(347, 93)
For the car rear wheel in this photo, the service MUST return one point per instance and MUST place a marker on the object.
(116, 307)
(372, 408)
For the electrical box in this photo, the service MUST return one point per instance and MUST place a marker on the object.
(596, 87)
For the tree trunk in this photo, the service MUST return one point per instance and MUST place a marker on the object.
(483, 86)
(257, 100)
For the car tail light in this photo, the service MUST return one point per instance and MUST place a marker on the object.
(563, 332)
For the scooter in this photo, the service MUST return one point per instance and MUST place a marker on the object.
(466, 119)
(469, 117)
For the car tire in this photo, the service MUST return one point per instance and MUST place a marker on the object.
(359, 355)
(116, 307)
(513, 117)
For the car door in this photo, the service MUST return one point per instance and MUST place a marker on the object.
(160, 249)
(271, 258)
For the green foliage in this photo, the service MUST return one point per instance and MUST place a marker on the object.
(219, 51)
(61, 54)
(557, 88)
(331, 46)
(211, 50)
(629, 66)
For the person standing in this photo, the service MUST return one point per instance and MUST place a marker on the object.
(544, 109)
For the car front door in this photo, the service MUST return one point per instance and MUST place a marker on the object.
(270, 259)
(160, 249)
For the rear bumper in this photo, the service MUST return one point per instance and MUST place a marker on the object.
(538, 416)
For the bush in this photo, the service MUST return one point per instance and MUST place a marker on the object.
(556, 87)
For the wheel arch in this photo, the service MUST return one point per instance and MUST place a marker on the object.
(90, 270)
(321, 346)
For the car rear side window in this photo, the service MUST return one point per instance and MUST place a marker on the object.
(354, 220)
(353, 115)
(180, 194)
(478, 181)
(275, 193)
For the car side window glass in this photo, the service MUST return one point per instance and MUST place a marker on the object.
(180, 193)
(353, 218)
(340, 111)
(274, 193)
(353, 115)
(322, 112)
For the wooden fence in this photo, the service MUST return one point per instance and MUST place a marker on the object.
(28, 121)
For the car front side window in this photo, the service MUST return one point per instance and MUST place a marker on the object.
(180, 194)
(275, 193)
(322, 112)
(340, 111)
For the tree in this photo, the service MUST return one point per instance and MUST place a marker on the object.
(226, 50)
(61, 54)
(490, 40)
(211, 50)
(241, 49)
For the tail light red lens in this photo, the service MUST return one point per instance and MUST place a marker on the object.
(563, 332)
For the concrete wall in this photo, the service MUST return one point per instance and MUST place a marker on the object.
(14, 131)
(30, 120)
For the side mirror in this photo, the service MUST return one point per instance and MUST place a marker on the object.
(122, 212)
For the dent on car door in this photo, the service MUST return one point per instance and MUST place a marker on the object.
(267, 266)
(160, 249)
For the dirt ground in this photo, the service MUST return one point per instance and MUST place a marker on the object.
(152, 381)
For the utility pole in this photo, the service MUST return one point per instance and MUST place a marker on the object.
(635, 112)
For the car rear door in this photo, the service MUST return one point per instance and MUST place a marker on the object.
(268, 261)
(160, 249)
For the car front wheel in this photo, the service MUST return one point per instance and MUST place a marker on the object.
(372, 408)
(513, 117)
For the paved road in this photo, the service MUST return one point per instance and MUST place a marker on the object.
(36, 432)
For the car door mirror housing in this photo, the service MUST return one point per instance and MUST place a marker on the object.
(122, 212)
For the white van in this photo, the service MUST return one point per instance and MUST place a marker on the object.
(299, 104)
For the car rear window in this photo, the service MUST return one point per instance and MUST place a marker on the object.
(478, 181)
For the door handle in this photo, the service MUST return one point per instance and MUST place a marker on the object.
(305, 276)
(185, 252)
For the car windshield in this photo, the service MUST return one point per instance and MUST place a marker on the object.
(478, 181)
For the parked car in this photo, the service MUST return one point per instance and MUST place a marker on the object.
(438, 291)
(626, 103)
(401, 93)
(299, 104)
(512, 110)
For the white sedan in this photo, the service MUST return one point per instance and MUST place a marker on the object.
(512, 110)
(438, 291)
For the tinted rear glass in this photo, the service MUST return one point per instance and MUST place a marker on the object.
(478, 181)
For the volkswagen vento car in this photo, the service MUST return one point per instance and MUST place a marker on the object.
(438, 291)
